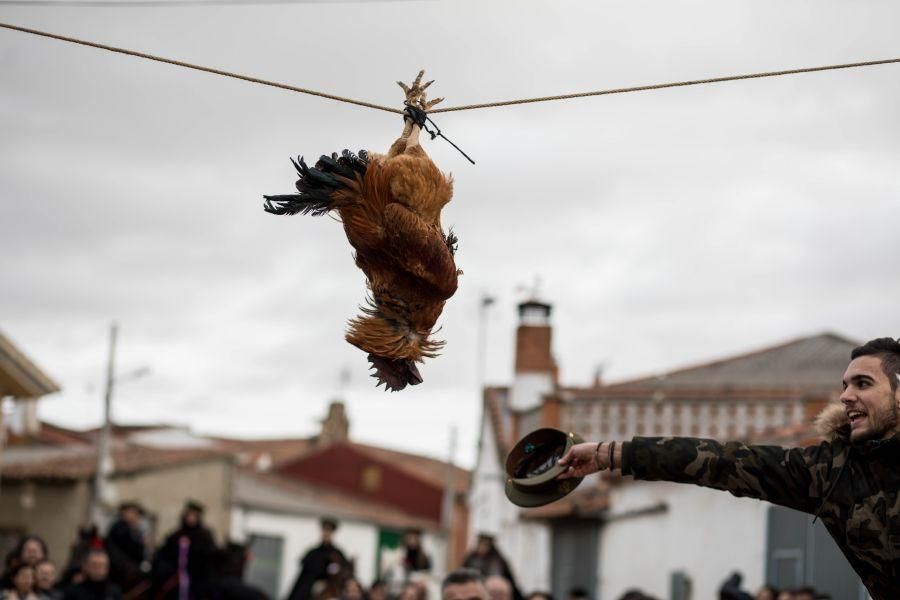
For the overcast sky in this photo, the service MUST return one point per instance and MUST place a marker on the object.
(666, 227)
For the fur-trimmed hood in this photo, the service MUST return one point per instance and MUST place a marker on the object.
(832, 423)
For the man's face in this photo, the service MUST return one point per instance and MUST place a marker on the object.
(498, 588)
(484, 546)
(472, 590)
(378, 592)
(32, 552)
(46, 575)
(327, 534)
(352, 590)
(869, 402)
(192, 518)
(132, 517)
(24, 580)
(96, 567)
(411, 540)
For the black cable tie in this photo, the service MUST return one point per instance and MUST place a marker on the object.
(434, 134)
(419, 117)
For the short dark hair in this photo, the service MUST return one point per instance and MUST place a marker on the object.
(195, 506)
(888, 350)
(27, 539)
(17, 568)
(461, 576)
(95, 552)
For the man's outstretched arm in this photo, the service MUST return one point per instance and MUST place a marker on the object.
(794, 477)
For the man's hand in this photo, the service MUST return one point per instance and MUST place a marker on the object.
(581, 460)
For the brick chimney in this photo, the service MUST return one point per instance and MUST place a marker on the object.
(336, 426)
(535, 369)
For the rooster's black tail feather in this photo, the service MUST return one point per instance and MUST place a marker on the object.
(316, 184)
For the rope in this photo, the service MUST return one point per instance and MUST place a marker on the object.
(179, 63)
(165, 3)
(660, 86)
(292, 88)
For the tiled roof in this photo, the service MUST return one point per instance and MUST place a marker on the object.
(278, 493)
(70, 463)
(813, 363)
(52, 435)
(277, 451)
(19, 377)
(431, 470)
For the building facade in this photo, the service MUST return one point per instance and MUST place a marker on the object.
(613, 533)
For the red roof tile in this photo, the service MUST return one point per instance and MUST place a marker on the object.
(75, 463)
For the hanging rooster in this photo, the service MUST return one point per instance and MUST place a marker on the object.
(390, 206)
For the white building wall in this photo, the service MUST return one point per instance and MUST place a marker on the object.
(528, 389)
(299, 533)
(705, 533)
(525, 544)
(487, 500)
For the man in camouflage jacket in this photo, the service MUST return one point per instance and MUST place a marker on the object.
(851, 481)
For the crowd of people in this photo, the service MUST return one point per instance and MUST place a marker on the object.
(121, 565)
(188, 565)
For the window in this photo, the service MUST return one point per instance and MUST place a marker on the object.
(265, 568)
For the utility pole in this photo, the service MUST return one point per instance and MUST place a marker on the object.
(449, 504)
(481, 351)
(2, 432)
(104, 441)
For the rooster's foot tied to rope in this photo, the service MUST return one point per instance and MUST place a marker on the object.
(390, 206)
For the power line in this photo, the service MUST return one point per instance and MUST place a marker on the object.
(177, 3)
(660, 86)
(657, 86)
(186, 65)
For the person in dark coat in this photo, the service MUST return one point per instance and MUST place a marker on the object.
(415, 558)
(731, 588)
(125, 546)
(183, 565)
(95, 584)
(849, 481)
(228, 581)
(324, 562)
(487, 560)
(87, 541)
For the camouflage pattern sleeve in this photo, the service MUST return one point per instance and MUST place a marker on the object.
(792, 477)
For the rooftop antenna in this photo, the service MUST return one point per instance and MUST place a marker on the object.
(533, 292)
